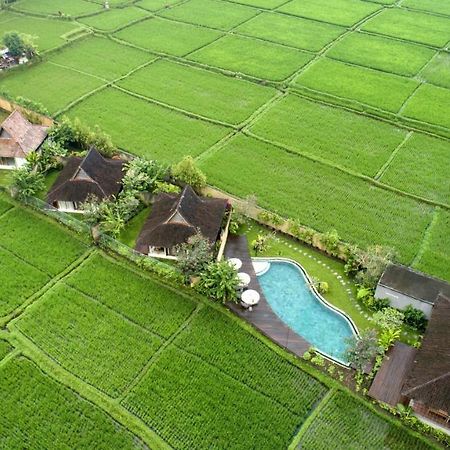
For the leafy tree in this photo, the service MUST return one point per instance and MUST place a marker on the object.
(142, 175)
(47, 157)
(194, 255)
(19, 44)
(362, 350)
(63, 132)
(261, 243)
(26, 182)
(219, 281)
(187, 172)
(236, 222)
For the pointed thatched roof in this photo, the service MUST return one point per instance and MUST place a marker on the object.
(174, 218)
(429, 380)
(18, 136)
(91, 175)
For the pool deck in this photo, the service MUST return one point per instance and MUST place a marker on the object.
(262, 316)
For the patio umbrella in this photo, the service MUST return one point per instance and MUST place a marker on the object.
(244, 279)
(235, 262)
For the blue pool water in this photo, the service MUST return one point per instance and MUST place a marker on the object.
(287, 291)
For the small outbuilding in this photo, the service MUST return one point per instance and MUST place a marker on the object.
(18, 138)
(175, 218)
(80, 178)
(404, 286)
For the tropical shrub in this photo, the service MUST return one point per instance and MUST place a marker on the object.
(365, 296)
(236, 222)
(362, 350)
(331, 240)
(142, 175)
(322, 287)
(47, 158)
(187, 172)
(168, 188)
(390, 320)
(26, 182)
(270, 218)
(194, 255)
(219, 281)
(415, 318)
(261, 243)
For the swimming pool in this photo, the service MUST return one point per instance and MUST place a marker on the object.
(288, 290)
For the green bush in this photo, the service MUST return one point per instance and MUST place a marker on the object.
(415, 318)
(187, 172)
(219, 281)
(26, 183)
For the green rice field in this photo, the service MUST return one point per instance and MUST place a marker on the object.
(88, 363)
(357, 90)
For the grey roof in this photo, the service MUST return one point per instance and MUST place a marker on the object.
(413, 283)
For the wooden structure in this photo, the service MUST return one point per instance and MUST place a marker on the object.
(262, 316)
(176, 218)
(18, 138)
(81, 178)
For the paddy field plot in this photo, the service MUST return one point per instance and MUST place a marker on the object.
(338, 12)
(430, 104)
(166, 36)
(41, 243)
(292, 31)
(210, 13)
(252, 57)
(440, 7)
(53, 86)
(332, 134)
(319, 195)
(438, 70)
(421, 167)
(144, 302)
(367, 86)
(55, 7)
(154, 5)
(48, 33)
(263, 4)
(5, 348)
(39, 412)
(88, 339)
(147, 129)
(5, 205)
(101, 57)
(199, 91)
(411, 26)
(346, 423)
(114, 18)
(435, 258)
(382, 53)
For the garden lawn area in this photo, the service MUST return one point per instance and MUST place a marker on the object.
(144, 302)
(39, 242)
(114, 18)
(319, 267)
(346, 423)
(374, 88)
(19, 280)
(382, 53)
(5, 176)
(133, 227)
(435, 258)
(53, 86)
(339, 12)
(421, 158)
(48, 32)
(430, 104)
(292, 31)
(411, 26)
(87, 338)
(438, 71)
(147, 129)
(210, 13)
(166, 36)
(54, 7)
(39, 412)
(319, 196)
(202, 92)
(101, 57)
(258, 59)
(332, 134)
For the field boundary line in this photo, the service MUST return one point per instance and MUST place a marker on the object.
(349, 172)
(392, 156)
(28, 263)
(426, 237)
(310, 419)
(405, 103)
(217, 146)
(173, 108)
(88, 392)
(7, 211)
(11, 317)
(10, 355)
(240, 382)
(154, 358)
(114, 311)
(78, 71)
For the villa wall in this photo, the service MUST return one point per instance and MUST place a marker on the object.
(401, 301)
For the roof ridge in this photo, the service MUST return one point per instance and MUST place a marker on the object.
(444, 375)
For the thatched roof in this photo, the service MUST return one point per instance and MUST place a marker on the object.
(174, 218)
(91, 175)
(413, 283)
(429, 380)
(18, 136)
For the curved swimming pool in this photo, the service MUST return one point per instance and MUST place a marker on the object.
(288, 290)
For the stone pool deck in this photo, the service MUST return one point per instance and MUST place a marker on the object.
(262, 317)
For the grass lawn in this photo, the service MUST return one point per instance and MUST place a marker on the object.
(132, 229)
(5, 177)
(50, 178)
